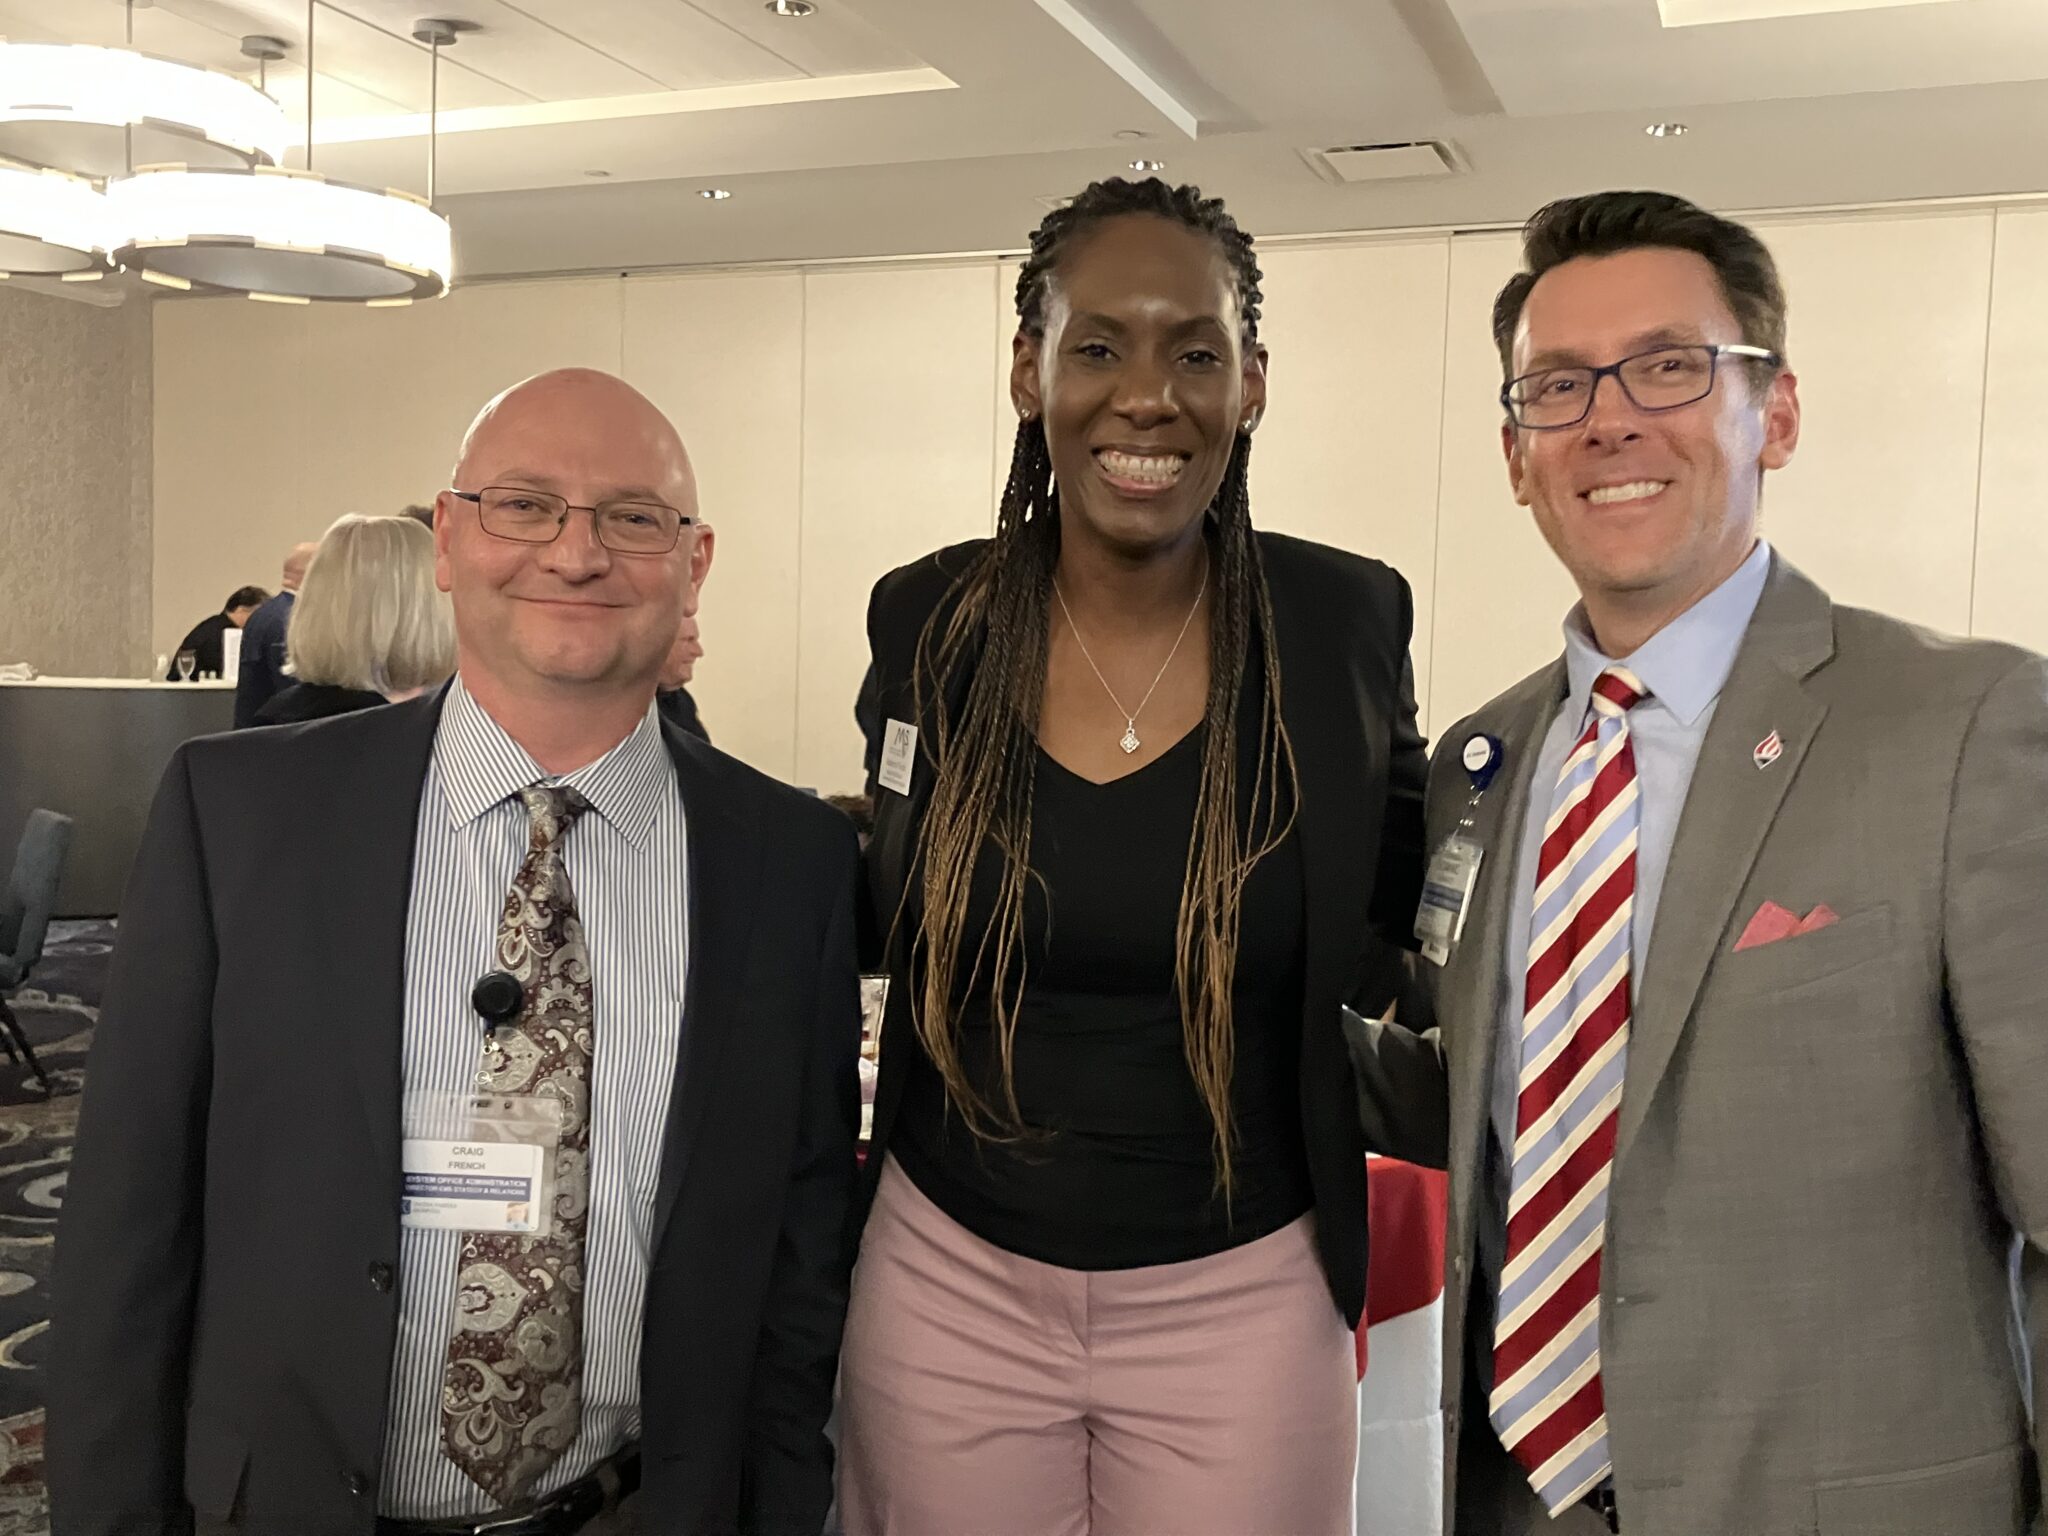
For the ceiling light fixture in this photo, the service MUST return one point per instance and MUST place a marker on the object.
(290, 236)
(795, 10)
(1148, 166)
(51, 225)
(714, 194)
(76, 106)
(1667, 130)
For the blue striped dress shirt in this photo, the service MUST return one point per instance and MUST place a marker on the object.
(1683, 666)
(625, 859)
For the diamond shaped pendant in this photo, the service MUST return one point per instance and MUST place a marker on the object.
(1129, 740)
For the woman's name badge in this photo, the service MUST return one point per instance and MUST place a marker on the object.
(899, 752)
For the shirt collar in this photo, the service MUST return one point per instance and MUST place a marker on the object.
(1686, 662)
(481, 767)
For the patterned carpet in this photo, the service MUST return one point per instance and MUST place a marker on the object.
(58, 1009)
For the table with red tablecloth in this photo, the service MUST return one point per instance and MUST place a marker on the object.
(1400, 1354)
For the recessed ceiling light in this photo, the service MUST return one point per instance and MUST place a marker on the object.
(599, 175)
(1667, 130)
(1130, 134)
(795, 9)
(714, 194)
(1148, 165)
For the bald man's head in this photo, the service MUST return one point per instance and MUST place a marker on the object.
(557, 618)
(295, 565)
(586, 405)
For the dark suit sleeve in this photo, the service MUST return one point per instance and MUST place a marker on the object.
(786, 1474)
(1399, 1064)
(127, 1266)
(1995, 959)
(1397, 888)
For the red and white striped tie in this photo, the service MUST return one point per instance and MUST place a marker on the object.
(1547, 1404)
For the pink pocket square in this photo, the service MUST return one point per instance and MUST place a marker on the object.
(1773, 922)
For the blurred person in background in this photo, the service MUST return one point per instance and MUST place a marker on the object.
(371, 626)
(262, 673)
(203, 640)
(673, 700)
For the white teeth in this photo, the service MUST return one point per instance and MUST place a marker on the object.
(1159, 469)
(1607, 495)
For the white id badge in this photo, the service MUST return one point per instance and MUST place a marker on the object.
(1447, 897)
(899, 752)
(479, 1163)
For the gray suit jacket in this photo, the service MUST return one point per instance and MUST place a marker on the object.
(1827, 1145)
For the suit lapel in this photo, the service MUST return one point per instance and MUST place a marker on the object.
(724, 841)
(365, 859)
(1728, 812)
(1469, 990)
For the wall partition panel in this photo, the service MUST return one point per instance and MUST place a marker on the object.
(1888, 318)
(274, 420)
(2012, 514)
(1500, 593)
(722, 355)
(899, 378)
(1348, 452)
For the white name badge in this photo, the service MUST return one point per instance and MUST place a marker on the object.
(899, 752)
(477, 1186)
(1447, 897)
(479, 1163)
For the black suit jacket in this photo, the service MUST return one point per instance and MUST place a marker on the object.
(226, 1309)
(1348, 699)
(208, 649)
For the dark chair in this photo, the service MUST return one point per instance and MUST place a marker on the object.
(25, 908)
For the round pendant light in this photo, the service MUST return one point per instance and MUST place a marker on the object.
(51, 225)
(289, 236)
(95, 111)
(279, 234)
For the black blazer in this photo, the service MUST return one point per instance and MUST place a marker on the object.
(226, 1308)
(1348, 698)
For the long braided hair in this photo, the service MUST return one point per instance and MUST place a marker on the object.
(995, 624)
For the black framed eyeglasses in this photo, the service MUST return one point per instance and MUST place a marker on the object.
(1661, 379)
(538, 517)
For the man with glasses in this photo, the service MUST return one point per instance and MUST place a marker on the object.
(496, 1167)
(1737, 939)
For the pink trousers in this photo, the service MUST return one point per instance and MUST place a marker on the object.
(983, 1394)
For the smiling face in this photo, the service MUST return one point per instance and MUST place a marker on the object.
(538, 619)
(1649, 511)
(1143, 378)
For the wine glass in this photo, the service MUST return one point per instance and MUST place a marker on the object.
(187, 660)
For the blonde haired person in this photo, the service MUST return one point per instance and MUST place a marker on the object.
(370, 625)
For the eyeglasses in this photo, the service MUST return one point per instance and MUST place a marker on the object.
(538, 517)
(1662, 379)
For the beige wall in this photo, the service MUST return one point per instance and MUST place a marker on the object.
(74, 485)
(848, 419)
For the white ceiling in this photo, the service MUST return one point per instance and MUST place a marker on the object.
(886, 127)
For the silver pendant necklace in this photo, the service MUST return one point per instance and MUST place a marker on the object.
(1129, 740)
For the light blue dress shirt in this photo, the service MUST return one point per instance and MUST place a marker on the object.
(1683, 666)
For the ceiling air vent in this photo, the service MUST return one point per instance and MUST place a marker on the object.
(1383, 162)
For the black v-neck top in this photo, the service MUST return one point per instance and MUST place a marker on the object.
(1123, 1173)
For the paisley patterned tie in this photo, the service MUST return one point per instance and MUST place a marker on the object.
(512, 1391)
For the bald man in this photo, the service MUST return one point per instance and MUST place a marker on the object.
(493, 1165)
(263, 641)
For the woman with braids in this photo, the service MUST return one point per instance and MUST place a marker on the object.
(1147, 780)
